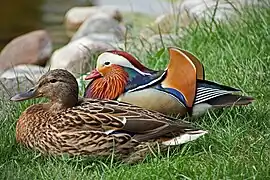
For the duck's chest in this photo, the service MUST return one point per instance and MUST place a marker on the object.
(31, 128)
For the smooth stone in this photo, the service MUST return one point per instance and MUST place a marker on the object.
(76, 56)
(165, 24)
(205, 9)
(32, 72)
(103, 37)
(100, 24)
(157, 41)
(77, 15)
(31, 48)
(19, 78)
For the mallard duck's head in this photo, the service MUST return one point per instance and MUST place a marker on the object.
(57, 85)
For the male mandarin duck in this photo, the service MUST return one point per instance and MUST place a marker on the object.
(179, 89)
(77, 126)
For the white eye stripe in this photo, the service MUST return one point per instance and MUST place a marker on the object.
(111, 58)
(116, 59)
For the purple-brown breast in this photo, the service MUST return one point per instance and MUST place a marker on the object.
(110, 86)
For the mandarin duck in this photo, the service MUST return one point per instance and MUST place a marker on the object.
(68, 124)
(179, 89)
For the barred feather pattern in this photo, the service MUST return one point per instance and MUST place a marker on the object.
(101, 88)
(76, 131)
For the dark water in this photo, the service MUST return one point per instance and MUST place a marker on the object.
(21, 16)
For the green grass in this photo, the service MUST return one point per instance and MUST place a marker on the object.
(238, 143)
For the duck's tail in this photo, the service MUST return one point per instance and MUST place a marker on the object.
(184, 138)
(154, 147)
(230, 100)
(212, 95)
(170, 132)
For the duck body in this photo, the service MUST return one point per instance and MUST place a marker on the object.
(73, 131)
(153, 96)
(179, 89)
(77, 126)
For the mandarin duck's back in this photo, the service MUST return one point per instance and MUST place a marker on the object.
(93, 127)
(179, 89)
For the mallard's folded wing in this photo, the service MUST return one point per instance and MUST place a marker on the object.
(141, 124)
(97, 123)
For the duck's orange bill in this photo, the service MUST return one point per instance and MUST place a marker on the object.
(93, 75)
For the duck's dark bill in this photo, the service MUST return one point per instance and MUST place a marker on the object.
(31, 93)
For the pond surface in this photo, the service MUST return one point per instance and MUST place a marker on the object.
(21, 16)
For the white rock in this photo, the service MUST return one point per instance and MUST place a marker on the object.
(77, 15)
(19, 78)
(187, 5)
(100, 23)
(32, 72)
(205, 9)
(31, 48)
(165, 24)
(157, 41)
(76, 56)
(104, 37)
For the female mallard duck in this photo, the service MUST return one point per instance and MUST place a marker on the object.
(179, 89)
(67, 124)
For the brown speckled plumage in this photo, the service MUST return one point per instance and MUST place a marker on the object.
(87, 126)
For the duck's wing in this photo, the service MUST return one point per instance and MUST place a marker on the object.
(88, 129)
(114, 118)
(181, 76)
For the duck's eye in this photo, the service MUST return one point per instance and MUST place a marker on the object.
(107, 63)
(53, 81)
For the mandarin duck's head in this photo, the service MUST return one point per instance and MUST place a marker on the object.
(111, 61)
(111, 74)
(57, 85)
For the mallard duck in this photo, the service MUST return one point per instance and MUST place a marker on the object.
(78, 126)
(179, 89)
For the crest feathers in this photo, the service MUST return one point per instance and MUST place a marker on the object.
(131, 59)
